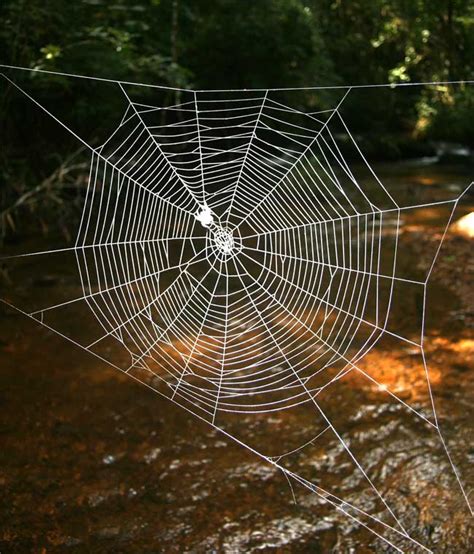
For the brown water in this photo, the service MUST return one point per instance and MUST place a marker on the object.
(94, 462)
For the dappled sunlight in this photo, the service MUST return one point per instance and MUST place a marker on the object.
(461, 346)
(464, 226)
(401, 373)
(427, 181)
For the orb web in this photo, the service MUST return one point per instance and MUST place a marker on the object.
(243, 259)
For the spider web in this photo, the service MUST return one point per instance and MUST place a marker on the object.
(243, 259)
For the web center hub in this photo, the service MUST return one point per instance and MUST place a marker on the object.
(223, 239)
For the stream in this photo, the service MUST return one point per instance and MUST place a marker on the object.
(91, 461)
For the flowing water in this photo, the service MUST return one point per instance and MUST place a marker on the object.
(91, 461)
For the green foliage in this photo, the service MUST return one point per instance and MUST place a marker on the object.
(402, 41)
(450, 113)
(254, 44)
(235, 44)
(250, 44)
